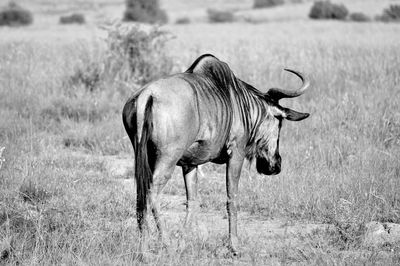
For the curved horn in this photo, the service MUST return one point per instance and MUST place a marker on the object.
(277, 94)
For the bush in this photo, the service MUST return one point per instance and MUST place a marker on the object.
(328, 10)
(217, 16)
(147, 11)
(73, 18)
(184, 20)
(267, 3)
(14, 15)
(133, 56)
(137, 53)
(359, 17)
(392, 13)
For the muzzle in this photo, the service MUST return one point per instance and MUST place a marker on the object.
(266, 167)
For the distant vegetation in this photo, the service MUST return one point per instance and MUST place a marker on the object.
(184, 20)
(390, 14)
(328, 10)
(218, 16)
(14, 15)
(359, 17)
(75, 18)
(267, 3)
(147, 11)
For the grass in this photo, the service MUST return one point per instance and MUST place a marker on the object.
(340, 166)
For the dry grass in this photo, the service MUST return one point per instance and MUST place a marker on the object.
(340, 166)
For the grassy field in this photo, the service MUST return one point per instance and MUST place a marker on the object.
(59, 204)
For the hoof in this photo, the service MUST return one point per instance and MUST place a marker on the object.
(234, 252)
(234, 243)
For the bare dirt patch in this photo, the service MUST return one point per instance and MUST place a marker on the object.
(268, 234)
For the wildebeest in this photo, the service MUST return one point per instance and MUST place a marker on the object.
(205, 114)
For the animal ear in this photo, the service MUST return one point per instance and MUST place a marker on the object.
(292, 115)
(289, 114)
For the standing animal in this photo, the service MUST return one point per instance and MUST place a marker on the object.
(205, 114)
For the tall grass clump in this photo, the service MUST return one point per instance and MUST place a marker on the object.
(390, 14)
(147, 11)
(15, 15)
(328, 10)
(267, 3)
(217, 16)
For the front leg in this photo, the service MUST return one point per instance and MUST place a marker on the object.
(233, 169)
(193, 205)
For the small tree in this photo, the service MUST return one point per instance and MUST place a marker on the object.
(147, 11)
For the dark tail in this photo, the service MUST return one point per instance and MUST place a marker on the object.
(143, 172)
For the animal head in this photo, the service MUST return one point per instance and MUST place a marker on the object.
(268, 159)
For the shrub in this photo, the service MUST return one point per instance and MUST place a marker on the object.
(392, 13)
(359, 17)
(73, 18)
(328, 10)
(133, 56)
(267, 3)
(14, 15)
(217, 16)
(147, 11)
(184, 20)
(137, 54)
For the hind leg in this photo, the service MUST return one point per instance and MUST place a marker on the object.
(142, 224)
(162, 173)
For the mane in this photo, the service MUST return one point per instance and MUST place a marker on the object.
(196, 63)
(250, 101)
(216, 71)
(210, 66)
